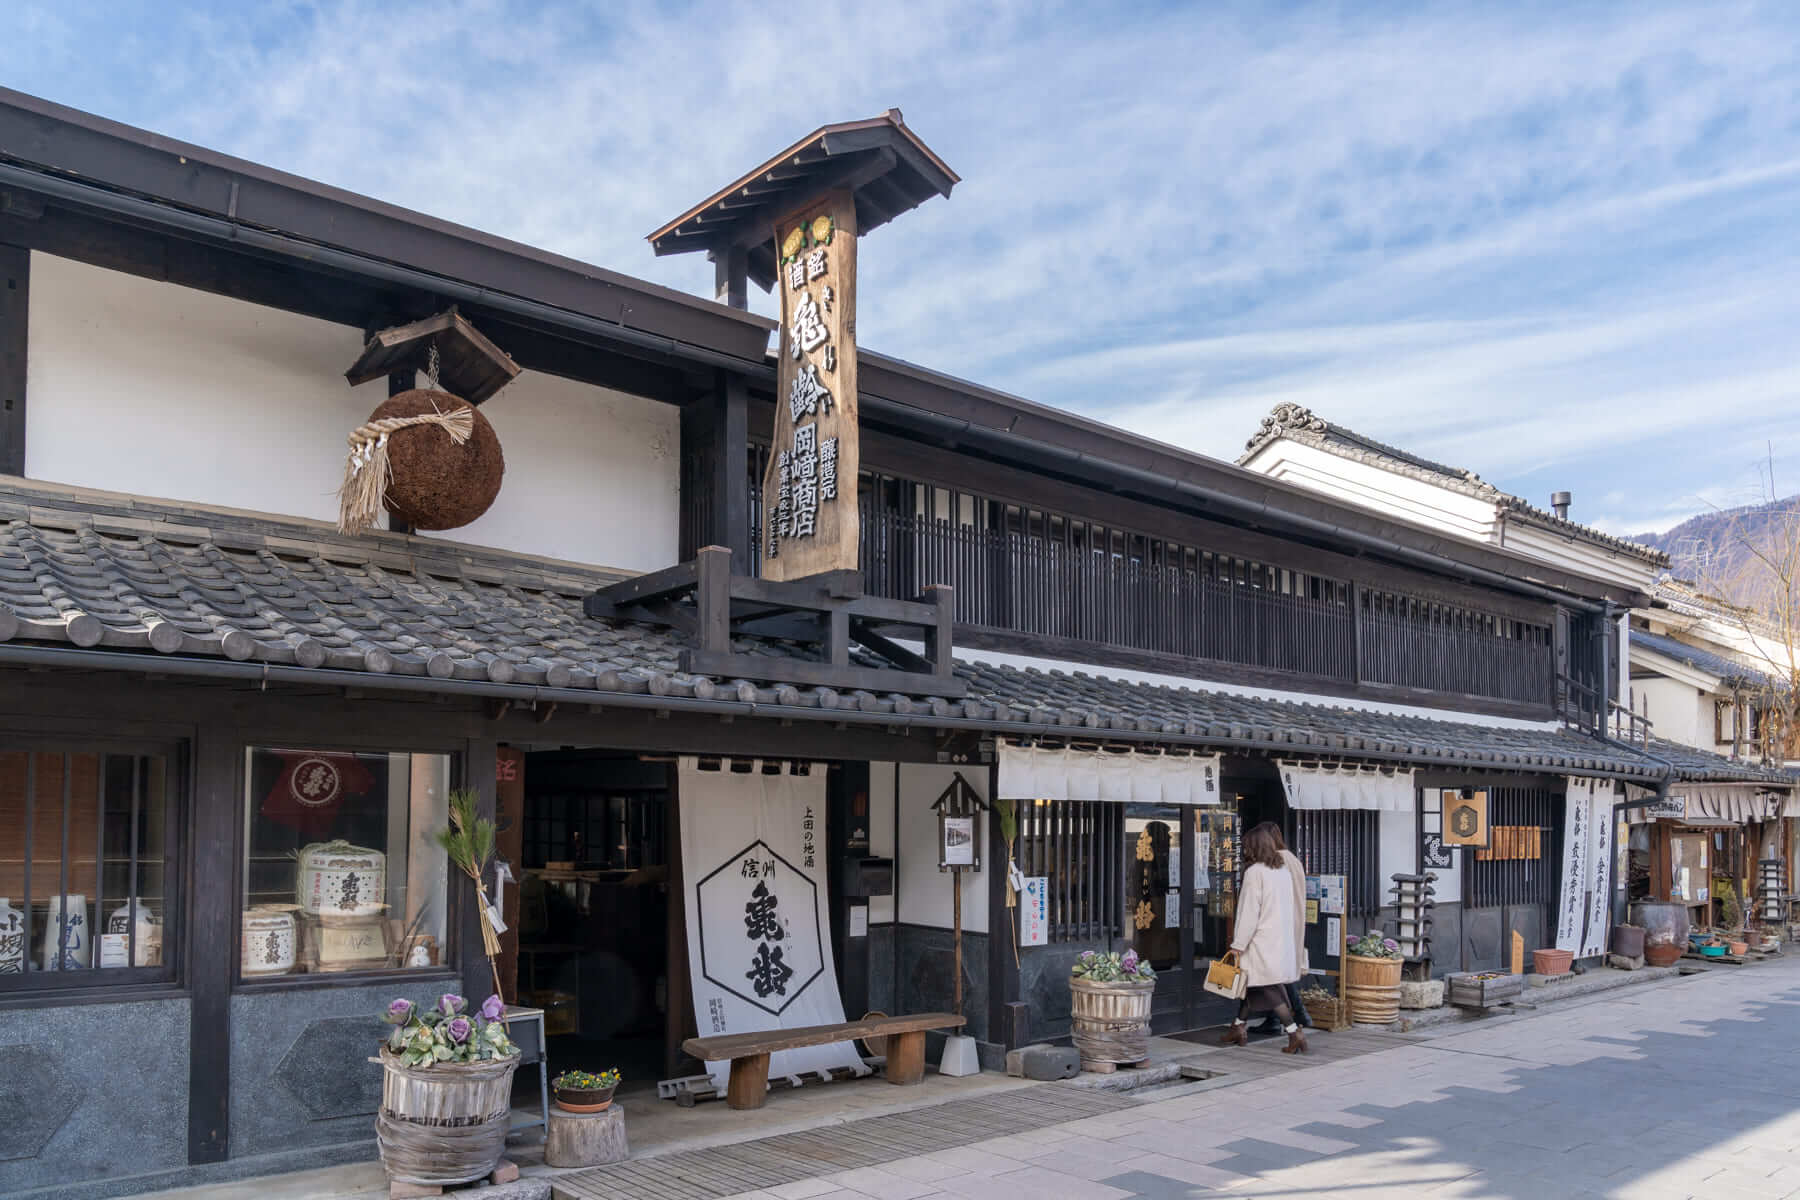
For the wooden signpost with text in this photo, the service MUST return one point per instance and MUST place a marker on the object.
(809, 489)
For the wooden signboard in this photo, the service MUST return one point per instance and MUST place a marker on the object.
(1466, 819)
(809, 489)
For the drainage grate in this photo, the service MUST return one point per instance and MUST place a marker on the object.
(788, 1157)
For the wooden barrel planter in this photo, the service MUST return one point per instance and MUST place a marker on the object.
(1372, 986)
(445, 1123)
(1111, 1020)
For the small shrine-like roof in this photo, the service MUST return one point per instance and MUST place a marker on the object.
(879, 161)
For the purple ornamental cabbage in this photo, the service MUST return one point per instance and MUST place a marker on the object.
(450, 1004)
(459, 1029)
(1130, 962)
(1088, 956)
(399, 1012)
(1390, 943)
(493, 1008)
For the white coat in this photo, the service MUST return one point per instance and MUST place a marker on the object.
(1270, 934)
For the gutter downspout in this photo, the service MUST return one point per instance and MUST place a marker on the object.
(329, 677)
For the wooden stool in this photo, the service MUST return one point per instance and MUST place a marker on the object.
(586, 1139)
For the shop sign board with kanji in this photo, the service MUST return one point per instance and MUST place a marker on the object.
(809, 510)
(1466, 818)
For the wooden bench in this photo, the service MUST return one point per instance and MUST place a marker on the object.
(749, 1052)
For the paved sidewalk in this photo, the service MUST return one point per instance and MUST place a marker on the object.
(1683, 1090)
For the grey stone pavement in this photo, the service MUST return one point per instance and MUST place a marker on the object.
(1686, 1089)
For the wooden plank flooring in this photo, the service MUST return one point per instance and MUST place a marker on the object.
(785, 1158)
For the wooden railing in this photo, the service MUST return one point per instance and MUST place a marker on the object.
(1033, 585)
(1402, 652)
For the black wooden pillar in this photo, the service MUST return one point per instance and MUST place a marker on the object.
(15, 305)
(480, 755)
(715, 453)
(846, 841)
(397, 382)
(1008, 1021)
(212, 944)
(731, 276)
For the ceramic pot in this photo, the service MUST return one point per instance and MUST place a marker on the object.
(268, 946)
(584, 1100)
(12, 939)
(126, 937)
(1552, 962)
(1662, 954)
(338, 879)
(68, 939)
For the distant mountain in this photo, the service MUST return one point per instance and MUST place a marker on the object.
(1714, 550)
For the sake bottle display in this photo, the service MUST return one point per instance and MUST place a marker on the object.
(123, 945)
(12, 939)
(341, 880)
(269, 943)
(68, 941)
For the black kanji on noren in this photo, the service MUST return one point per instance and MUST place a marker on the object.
(767, 973)
(760, 920)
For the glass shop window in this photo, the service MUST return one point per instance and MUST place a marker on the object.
(88, 887)
(343, 871)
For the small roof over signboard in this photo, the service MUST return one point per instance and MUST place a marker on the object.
(879, 161)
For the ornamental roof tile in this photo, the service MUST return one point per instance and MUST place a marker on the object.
(108, 572)
(1299, 424)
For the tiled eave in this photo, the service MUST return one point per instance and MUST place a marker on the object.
(123, 583)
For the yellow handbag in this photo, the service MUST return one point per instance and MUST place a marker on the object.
(1225, 978)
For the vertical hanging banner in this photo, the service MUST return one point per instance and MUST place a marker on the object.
(1600, 856)
(1571, 909)
(809, 505)
(1584, 913)
(759, 950)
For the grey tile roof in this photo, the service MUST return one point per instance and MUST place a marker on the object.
(1729, 670)
(1299, 423)
(109, 572)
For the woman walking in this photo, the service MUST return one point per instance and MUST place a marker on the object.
(1269, 936)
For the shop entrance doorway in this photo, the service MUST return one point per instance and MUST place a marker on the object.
(596, 837)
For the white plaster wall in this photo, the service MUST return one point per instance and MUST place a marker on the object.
(1370, 487)
(881, 834)
(1575, 555)
(165, 391)
(925, 895)
(1675, 710)
(591, 476)
(1398, 847)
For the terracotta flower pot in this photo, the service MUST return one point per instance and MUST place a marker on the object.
(585, 1100)
(1663, 954)
(1552, 962)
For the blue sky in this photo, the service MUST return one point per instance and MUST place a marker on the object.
(1556, 244)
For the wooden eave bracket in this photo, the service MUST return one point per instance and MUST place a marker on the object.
(828, 610)
(469, 365)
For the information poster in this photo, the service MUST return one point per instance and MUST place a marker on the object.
(1034, 911)
(1331, 894)
(1333, 935)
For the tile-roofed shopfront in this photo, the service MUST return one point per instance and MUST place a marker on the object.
(209, 691)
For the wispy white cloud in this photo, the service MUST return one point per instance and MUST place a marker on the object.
(1551, 243)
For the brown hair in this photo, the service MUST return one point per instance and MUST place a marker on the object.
(1264, 845)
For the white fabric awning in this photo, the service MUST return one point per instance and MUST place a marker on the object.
(1729, 803)
(1340, 786)
(1116, 776)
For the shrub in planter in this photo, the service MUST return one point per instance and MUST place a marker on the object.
(1109, 1000)
(1372, 966)
(446, 1091)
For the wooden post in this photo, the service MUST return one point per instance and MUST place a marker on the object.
(15, 308)
(905, 1057)
(749, 1084)
(586, 1139)
(956, 909)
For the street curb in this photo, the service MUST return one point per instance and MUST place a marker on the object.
(1538, 996)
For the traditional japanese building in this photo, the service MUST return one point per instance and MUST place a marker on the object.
(231, 729)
